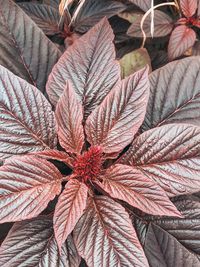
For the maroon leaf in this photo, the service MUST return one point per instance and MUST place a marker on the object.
(69, 116)
(170, 156)
(92, 11)
(180, 40)
(69, 209)
(144, 4)
(27, 184)
(179, 82)
(27, 122)
(31, 243)
(104, 236)
(130, 185)
(162, 249)
(188, 7)
(46, 17)
(90, 66)
(163, 25)
(18, 34)
(114, 123)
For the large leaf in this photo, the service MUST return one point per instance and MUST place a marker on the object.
(31, 243)
(69, 209)
(104, 236)
(174, 94)
(27, 184)
(130, 185)
(144, 4)
(163, 25)
(92, 11)
(46, 17)
(162, 249)
(188, 7)
(181, 39)
(69, 117)
(24, 48)
(27, 122)
(90, 66)
(170, 155)
(115, 122)
(53, 3)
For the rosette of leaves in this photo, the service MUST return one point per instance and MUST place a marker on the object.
(97, 116)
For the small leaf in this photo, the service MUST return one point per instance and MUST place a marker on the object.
(180, 40)
(112, 239)
(188, 7)
(174, 94)
(130, 185)
(27, 184)
(114, 123)
(46, 17)
(69, 209)
(27, 122)
(163, 25)
(31, 243)
(92, 11)
(90, 66)
(162, 249)
(69, 117)
(134, 61)
(18, 34)
(170, 156)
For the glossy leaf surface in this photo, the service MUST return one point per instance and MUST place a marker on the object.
(188, 7)
(115, 122)
(27, 122)
(27, 184)
(112, 238)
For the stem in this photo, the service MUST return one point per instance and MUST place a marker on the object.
(150, 11)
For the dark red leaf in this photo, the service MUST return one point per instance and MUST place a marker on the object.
(104, 236)
(18, 34)
(27, 184)
(170, 155)
(27, 122)
(162, 249)
(69, 209)
(130, 185)
(92, 11)
(46, 17)
(174, 94)
(181, 39)
(90, 66)
(163, 25)
(144, 4)
(114, 123)
(69, 117)
(31, 243)
(188, 7)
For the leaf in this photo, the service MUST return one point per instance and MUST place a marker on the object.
(104, 236)
(90, 66)
(188, 7)
(170, 156)
(144, 4)
(31, 243)
(130, 185)
(18, 34)
(46, 17)
(64, 4)
(69, 209)
(174, 94)
(69, 117)
(27, 122)
(134, 61)
(163, 25)
(162, 249)
(114, 123)
(180, 40)
(27, 184)
(92, 11)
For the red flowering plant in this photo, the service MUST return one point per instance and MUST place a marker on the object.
(97, 118)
